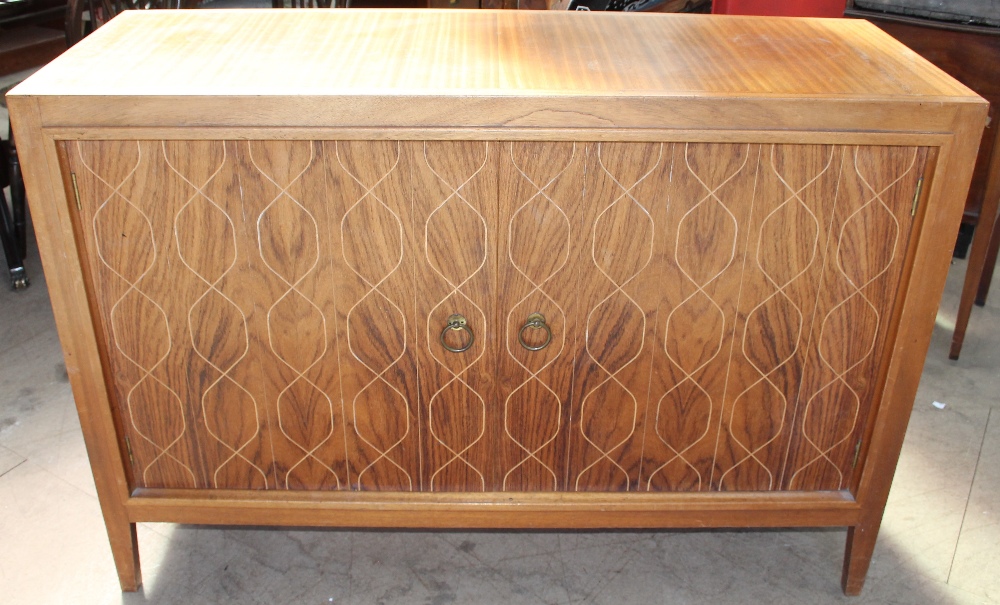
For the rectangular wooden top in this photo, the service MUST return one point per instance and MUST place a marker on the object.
(336, 52)
(393, 61)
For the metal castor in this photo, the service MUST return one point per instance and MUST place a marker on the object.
(19, 279)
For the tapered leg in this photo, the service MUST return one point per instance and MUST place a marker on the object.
(858, 556)
(990, 265)
(125, 550)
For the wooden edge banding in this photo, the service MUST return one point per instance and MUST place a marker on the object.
(910, 249)
(511, 112)
(922, 295)
(939, 219)
(50, 211)
(654, 135)
(63, 151)
(494, 511)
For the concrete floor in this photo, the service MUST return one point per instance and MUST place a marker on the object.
(940, 540)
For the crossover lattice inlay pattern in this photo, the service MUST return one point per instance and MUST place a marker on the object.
(614, 356)
(717, 311)
(859, 311)
(147, 345)
(283, 227)
(707, 218)
(379, 395)
(534, 397)
(455, 398)
(766, 349)
(216, 324)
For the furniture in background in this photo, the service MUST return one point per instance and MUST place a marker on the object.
(13, 222)
(780, 8)
(30, 33)
(971, 54)
(541, 272)
(85, 16)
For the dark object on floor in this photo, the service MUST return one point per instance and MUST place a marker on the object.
(13, 223)
(963, 241)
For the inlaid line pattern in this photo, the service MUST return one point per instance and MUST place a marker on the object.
(793, 197)
(680, 450)
(375, 289)
(137, 391)
(606, 451)
(199, 196)
(457, 452)
(875, 200)
(540, 192)
(292, 283)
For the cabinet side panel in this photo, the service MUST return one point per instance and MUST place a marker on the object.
(869, 234)
(626, 185)
(294, 343)
(454, 214)
(700, 250)
(787, 235)
(372, 250)
(541, 198)
(162, 227)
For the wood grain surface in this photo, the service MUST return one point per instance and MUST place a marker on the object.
(275, 310)
(278, 211)
(491, 69)
(289, 53)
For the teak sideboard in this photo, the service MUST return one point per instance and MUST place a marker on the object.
(494, 269)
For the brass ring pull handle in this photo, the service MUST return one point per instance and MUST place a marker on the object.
(457, 322)
(536, 321)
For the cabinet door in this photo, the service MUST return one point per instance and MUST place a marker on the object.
(287, 227)
(658, 293)
(540, 240)
(733, 303)
(256, 304)
(168, 258)
(827, 242)
(844, 366)
(454, 222)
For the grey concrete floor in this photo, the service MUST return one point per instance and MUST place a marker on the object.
(940, 540)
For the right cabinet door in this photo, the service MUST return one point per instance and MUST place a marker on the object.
(718, 311)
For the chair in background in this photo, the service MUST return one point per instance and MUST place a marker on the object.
(13, 222)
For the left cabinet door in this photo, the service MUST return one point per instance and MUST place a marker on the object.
(166, 249)
(256, 307)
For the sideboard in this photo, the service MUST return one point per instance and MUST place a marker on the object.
(492, 269)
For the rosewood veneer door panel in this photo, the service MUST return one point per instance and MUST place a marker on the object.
(869, 237)
(287, 216)
(787, 233)
(541, 210)
(167, 254)
(373, 251)
(700, 258)
(616, 288)
(454, 219)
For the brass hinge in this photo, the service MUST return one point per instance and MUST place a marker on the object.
(857, 453)
(128, 448)
(76, 191)
(916, 196)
